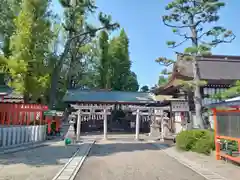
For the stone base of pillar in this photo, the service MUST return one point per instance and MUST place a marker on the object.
(161, 140)
(71, 133)
(155, 131)
(105, 138)
(137, 138)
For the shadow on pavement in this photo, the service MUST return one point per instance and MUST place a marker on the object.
(41, 156)
(113, 148)
(59, 155)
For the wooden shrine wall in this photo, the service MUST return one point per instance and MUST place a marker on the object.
(92, 116)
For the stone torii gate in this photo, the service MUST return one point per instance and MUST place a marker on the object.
(91, 111)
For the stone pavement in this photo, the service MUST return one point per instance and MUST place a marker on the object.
(71, 168)
(41, 163)
(125, 160)
(206, 165)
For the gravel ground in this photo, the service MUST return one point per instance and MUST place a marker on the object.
(132, 161)
(41, 163)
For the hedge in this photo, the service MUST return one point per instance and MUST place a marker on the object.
(201, 141)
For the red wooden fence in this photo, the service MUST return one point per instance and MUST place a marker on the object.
(21, 114)
(27, 114)
(218, 137)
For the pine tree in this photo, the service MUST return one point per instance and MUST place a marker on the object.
(188, 18)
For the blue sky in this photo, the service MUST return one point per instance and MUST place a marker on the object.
(141, 20)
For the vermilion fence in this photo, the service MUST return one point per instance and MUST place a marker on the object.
(21, 114)
(227, 127)
(27, 114)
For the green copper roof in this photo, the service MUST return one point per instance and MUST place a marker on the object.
(53, 113)
(79, 95)
(5, 89)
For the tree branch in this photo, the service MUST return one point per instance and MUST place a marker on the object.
(93, 31)
(183, 35)
(175, 26)
(218, 41)
(164, 61)
(179, 44)
(203, 34)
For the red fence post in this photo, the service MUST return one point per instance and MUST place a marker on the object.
(2, 114)
(57, 120)
(239, 145)
(217, 145)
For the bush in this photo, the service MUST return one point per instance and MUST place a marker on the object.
(205, 144)
(201, 141)
(233, 145)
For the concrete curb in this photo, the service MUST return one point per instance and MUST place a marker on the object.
(209, 175)
(71, 168)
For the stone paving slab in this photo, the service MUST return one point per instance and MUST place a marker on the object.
(207, 166)
(41, 163)
(125, 160)
(69, 171)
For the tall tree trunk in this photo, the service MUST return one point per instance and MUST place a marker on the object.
(197, 94)
(55, 74)
(53, 88)
(196, 78)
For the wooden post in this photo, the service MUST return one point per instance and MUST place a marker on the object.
(162, 128)
(78, 125)
(137, 126)
(9, 114)
(49, 122)
(105, 124)
(217, 145)
(57, 120)
(239, 145)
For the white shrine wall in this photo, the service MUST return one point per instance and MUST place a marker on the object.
(13, 136)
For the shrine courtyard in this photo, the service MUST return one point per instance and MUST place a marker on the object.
(120, 157)
(112, 153)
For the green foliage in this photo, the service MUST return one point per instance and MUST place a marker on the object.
(229, 145)
(203, 145)
(164, 61)
(8, 10)
(120, 76)
(29, 46)
(201, 141)
(105, 64)
(32, 40)
(3, 64)
(144, 88)
(162, 80)
(132, 82)
(188, 20)
(231, 92)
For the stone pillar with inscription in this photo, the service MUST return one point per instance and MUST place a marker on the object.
(71, 133)
(105, 124)
(165, 126)
(137, 124)
(154, 126)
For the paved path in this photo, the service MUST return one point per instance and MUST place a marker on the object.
(41, 163)
(132, 161)
(207, 165)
